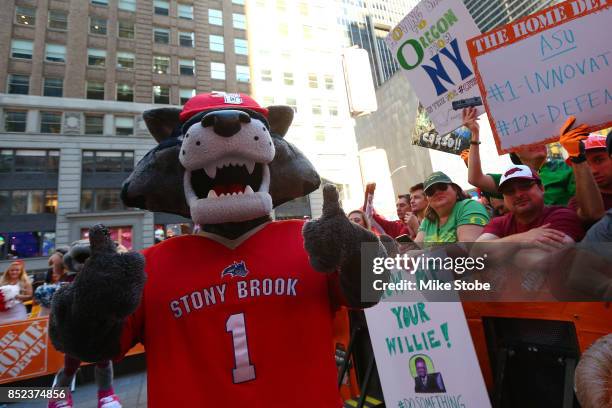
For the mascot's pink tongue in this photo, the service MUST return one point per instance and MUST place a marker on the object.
(229, 189)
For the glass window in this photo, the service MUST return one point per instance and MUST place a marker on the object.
(55, 53)
(186, 94)
(121, 235)
(215, 17)
(266, 75)
(281, 5)
(217, 70)
(161, 94)
(95, 90)
(107, 161)
(125, 60)
(96, 58)
(18, 84)
(126, 29)
(293, 103)
(187, 67)
(313, 82)
(108, 200)
(333, 109)
(161, 7)
(241, 46)
(319, 133)
(216, 43)
(283, 29)
(128, 5)
(240, 2)
(100, 2)
(125, 93)
(316, 108)
(27, 244)
(243, 74)
(50, 203)
(303, 7)
(268, 100)
(30, 161)
(161, 65)
(124, 126)
(94, 124)
(53, 159)
(22, 49)
(185, 11)
(27, 202)
(288, 78)
(307, 30)
(53, 87)
(5, 208)
(161, 35)
(25, 15)
(15, 121)
(50, 122)
(58, 20)
(329, 82)
(87, 201)
(6, 160)
(186, 39)
(239, 21)
(97, 25)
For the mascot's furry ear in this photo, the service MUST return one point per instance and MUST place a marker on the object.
(162, 122)
(280, 118)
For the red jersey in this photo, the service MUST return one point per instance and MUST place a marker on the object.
(233, 327)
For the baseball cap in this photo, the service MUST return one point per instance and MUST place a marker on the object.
(517, 172)
(436, 177)
(592, 142)
(219, 100)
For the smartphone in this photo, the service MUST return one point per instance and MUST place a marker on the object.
(464, 103)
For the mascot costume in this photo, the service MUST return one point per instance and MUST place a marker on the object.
(241, 313)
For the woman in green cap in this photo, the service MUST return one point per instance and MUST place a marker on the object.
(451, 215)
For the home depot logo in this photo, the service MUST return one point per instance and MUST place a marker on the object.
(23, 348)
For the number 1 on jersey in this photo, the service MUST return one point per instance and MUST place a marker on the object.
(244, 370)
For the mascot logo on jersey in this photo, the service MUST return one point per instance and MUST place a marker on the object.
(236, 269)
(220, 159)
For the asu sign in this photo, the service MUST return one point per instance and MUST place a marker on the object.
(23, 349)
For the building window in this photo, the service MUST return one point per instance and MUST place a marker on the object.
(333, 109)
(186, 94)
(125, 60)
(128, 5)
(29, 161)
(281, 5)
(319, 133)
(22, 49)
(95, 90)
(58, 20)
(22, 202)
(100, 2)
(161, 7)
(18, 84)
(53, 87)
(292, 103)
(94, 124)
(307, 30)
(96, 58)
(18, 245)
(124, 126)
(241, 46)
(313, 82)
(268, 100)
(126, 29)
(50, 122)
(161, 94)
(55, 53)
(216, 43)
(283, 29)
(186, 39)
(239, 21)
(288, 78)
(187, 67)
(161, 65)
(316, 108)
(161, 35)
(266, 75)
(125, 93)
(217, 70)
(303, 7)
(15, 121)
(243, 73)
(120, 235)
(215, 17)
(102, 161)
(185, 11)
(329, 82)
(104, 199)
(97, 26)
(25, 15)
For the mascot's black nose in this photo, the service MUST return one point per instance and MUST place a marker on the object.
(226, 123)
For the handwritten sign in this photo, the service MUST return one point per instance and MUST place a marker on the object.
(424, 353)
(425, 135)
(429, 46)
(536, 71)
(23, 349)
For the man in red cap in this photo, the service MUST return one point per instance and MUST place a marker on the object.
(592, 167)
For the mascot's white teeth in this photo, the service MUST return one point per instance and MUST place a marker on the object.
(211, 169)
(247, 190)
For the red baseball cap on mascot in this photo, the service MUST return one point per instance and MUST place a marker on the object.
(219, 100)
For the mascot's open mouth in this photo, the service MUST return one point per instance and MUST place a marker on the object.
(227, 177)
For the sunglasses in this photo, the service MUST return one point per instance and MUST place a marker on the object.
(514, 187)
(431, 190)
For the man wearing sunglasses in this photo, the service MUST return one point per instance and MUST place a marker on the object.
(529, 222)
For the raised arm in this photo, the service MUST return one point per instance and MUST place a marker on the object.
(475, 175)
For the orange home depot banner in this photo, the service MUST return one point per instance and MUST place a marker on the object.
(23, 349)
(536, 71)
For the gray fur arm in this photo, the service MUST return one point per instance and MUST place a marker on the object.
(335, 243)
(87, 315)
